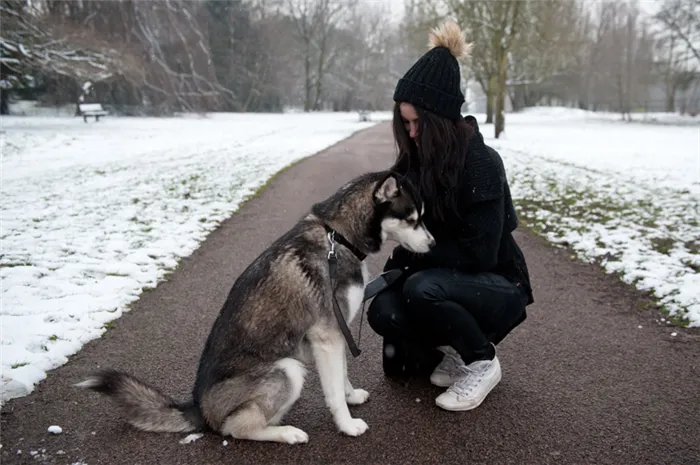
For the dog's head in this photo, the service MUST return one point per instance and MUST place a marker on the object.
(399, 212)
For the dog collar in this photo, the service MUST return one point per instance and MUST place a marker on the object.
(335, 236)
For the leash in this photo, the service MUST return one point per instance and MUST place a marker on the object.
(372, 288)
(333, 271)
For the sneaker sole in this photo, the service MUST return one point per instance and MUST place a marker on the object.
(452, 408)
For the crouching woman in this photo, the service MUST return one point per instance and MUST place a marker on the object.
(453, 305)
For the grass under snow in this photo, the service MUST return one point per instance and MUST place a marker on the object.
(624, 195)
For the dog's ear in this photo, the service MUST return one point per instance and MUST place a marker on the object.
(387, 189)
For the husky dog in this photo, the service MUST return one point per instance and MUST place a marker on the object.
(279, 317)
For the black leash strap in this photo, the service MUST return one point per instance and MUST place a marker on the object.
(333, 270)
(381, 282)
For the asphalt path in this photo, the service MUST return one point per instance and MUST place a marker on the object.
(589, 378)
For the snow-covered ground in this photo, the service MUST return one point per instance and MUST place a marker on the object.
(626, 195)
(93, 214)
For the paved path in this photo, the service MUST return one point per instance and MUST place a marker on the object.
(582, 383)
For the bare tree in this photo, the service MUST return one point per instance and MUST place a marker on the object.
(204, 55)
(682, 18)
(359, 78)
(611, 61)
(677, 45)
(156, 53)
(545, 49)
(626, 59)
(30, 45)
(316, 24)
(507, 15)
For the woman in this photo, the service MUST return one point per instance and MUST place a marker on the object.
(466, 294)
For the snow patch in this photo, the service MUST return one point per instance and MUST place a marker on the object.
(624, 195)
(94, 214)
(191, 438)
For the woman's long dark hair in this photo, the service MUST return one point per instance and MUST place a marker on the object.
(438, 162)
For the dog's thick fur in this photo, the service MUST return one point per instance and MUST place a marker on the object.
(278, 318)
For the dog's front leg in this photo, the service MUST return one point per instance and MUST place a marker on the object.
(355, 298)
(353, 396)
(329, 353)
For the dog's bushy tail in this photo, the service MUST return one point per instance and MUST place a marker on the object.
(146, 407)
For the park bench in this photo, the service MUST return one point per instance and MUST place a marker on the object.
(364, 115)
(92, 109)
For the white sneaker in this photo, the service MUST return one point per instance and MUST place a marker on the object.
(447, 372)
(475, 382)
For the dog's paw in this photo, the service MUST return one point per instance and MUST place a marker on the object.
(354, 427)
(357, 397)
(292, 435)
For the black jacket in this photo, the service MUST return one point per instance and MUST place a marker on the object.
(481, 240)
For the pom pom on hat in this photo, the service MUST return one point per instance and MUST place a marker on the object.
(450, 36)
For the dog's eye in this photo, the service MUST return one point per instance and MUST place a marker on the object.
(412, 218)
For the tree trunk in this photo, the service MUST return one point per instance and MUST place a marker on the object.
(501, 93)
(307, 77)
(248, 100)
(319, 81)
(502, 48)
(621, 95)
(670, 97)
(490, 99)
(4, 106)
(517, 97)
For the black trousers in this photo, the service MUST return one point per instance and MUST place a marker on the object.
(443, 307)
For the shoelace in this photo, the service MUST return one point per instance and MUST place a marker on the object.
(465, 385)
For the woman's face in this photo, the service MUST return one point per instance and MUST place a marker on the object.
(410, 120)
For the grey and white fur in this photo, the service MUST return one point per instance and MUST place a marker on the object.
(278, 319)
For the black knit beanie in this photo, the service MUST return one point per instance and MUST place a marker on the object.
(433, 82)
